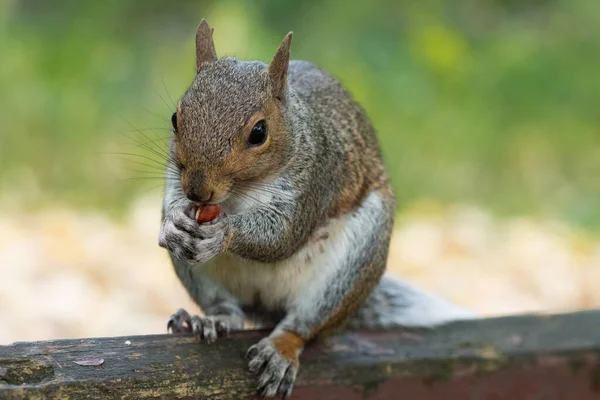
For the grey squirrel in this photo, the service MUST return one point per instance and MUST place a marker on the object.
(308, 209)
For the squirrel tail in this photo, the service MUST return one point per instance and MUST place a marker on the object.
(395, 304)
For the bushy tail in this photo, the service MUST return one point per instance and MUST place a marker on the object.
(395, 304)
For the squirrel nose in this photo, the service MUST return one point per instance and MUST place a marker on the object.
(195, 197)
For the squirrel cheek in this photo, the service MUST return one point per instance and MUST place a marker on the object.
(184, 182)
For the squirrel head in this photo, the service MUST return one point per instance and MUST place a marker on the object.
(230, 127)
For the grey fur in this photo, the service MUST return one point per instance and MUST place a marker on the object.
(328, 174)
(396, 304)
(277, 374)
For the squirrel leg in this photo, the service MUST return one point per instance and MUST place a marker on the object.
(350, 264)
(395, 303)
(222, 313)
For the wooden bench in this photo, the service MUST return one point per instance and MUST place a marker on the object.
(518, 357)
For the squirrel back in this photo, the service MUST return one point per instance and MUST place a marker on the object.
(348, 136)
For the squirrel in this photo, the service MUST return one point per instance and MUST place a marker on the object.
(307, 206)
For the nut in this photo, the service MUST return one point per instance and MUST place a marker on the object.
(207, 213)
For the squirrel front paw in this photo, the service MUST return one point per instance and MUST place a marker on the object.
(207, 329)
(190, 241)
(275, 359)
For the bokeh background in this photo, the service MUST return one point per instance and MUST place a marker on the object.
(487, 111)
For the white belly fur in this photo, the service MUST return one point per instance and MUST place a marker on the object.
(282, 284)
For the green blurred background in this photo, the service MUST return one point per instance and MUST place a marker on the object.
(485, 102)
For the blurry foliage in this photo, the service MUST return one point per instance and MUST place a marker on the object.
(478, 101)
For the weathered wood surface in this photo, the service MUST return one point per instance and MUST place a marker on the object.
(525, 357)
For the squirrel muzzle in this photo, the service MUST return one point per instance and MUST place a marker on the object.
(201, 187)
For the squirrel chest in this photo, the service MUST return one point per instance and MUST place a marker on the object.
(286, 283)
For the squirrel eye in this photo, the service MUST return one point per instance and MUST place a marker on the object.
(258, 135)
(174, 121)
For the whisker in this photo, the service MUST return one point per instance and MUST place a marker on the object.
(246, 195)
(163, 152)
(166, 91)
(169, 165)
(151, 188)
(241, 198)
(153, 174)
(235, 172)
(156, 134)
(161, 185)
(144, 146)
(157, 115)
(260, 184)
(259, 190)
(154, 167)
(257, 183)
(147, 144)
(155, 141)
(148, 129)
(263, 189)
(149, 178)
(162, 163)
(162, 98)
(160, 154)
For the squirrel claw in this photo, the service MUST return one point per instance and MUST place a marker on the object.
(180, 322)
(207, 329)
(276, 372)
(251, 353)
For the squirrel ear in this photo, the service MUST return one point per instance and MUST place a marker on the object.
(279, 67)
(205, 48)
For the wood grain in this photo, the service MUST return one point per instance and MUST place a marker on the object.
(520, 357)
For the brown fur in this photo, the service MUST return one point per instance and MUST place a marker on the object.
(229, 159)
(241, 162)
(205, 48)
(278, 68)
(352, 301)
(319, 164)
(289, 344)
